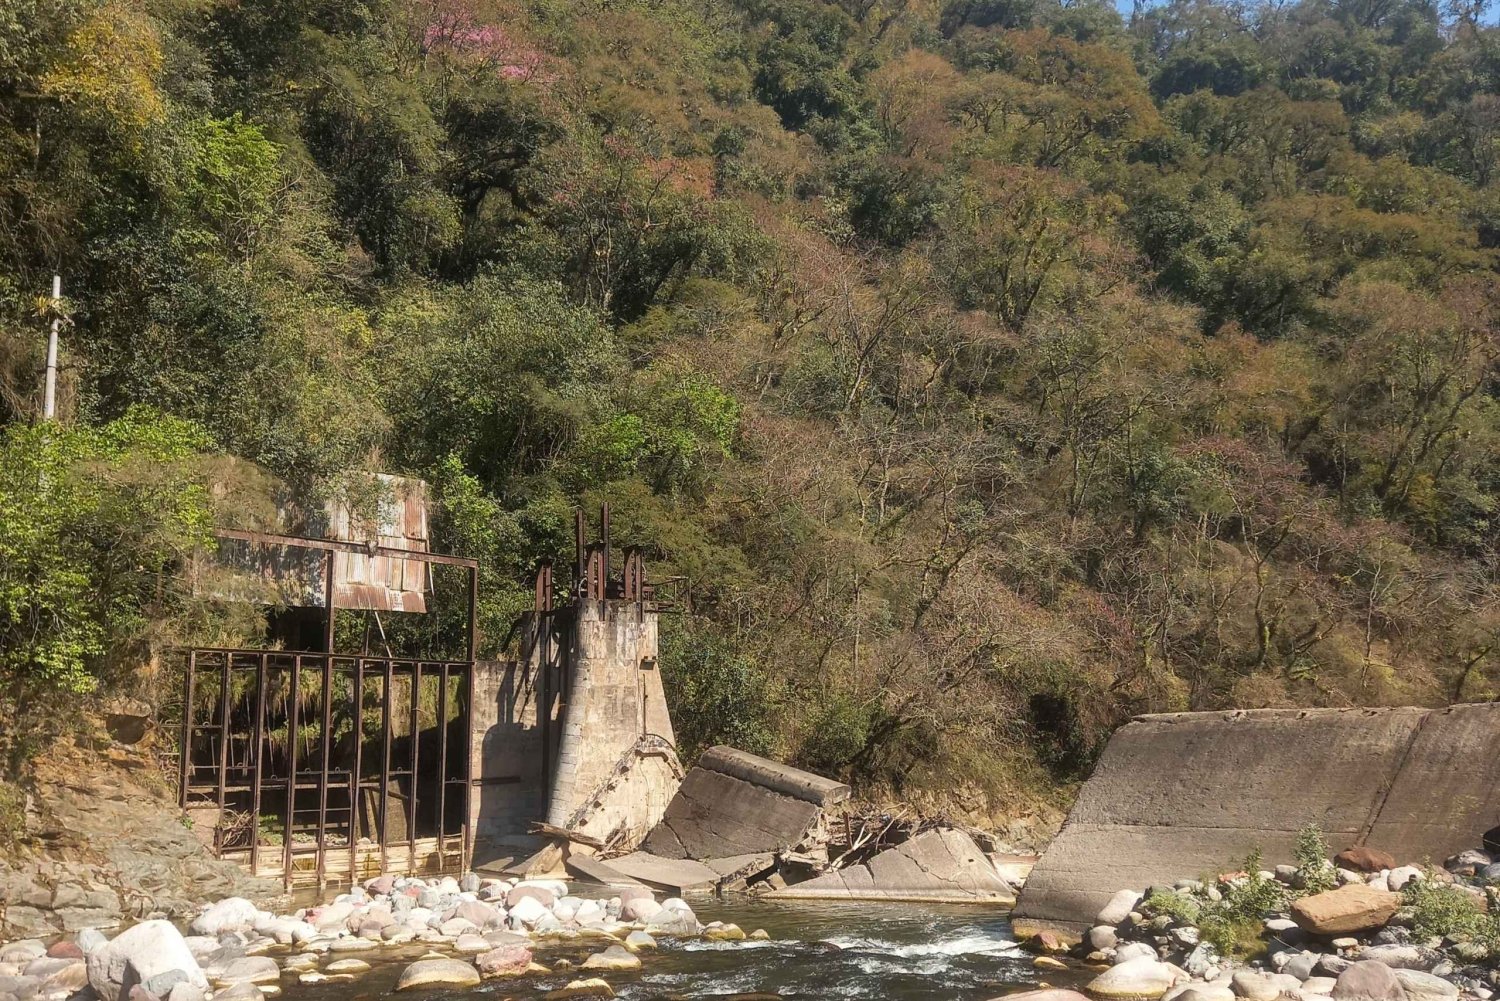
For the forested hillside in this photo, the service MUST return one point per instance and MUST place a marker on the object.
(990, 370)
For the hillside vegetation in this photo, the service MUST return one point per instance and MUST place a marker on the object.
(989, 370)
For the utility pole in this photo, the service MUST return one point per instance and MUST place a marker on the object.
(49, 400)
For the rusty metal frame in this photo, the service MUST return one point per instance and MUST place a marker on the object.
(300, 778)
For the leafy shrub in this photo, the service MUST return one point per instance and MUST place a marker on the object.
(718, 695)
(1311, 854)
(1180, 907)
(1233, 924)
(1442, 911)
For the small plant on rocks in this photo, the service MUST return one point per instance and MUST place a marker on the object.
(1441, 911)
(1311, 855)
(1234, 923)
(1179, 906)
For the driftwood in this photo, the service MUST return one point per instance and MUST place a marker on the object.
(577, 837)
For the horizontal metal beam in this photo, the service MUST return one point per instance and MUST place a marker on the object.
(339, 546)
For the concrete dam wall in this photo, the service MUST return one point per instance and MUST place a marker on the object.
(1187, 794)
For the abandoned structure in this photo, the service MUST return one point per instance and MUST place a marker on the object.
(333, 758)
(371, 740)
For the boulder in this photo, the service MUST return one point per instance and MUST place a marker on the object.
(1401, 876)
(249, 970)
(187, 992)
(1404, 957)
(63, 949)
(138, 954)
(1134, 950)
(1254, 986)
(1421, 986)
(638, 940)
(1369, 980)
(1142, 979)
(540, 894)
(436, 972)
(590, 988)
(1364, 859)
(639, 909)
(23, 951)
(70, 978)
(229, 914)
(471, 945)
(527, 911)
(1046, 994)
(1318, 985)
(505, 961)
(239, 992)
(1345, 910)
(1101, 937)
(348, 966)
(1118, 908)
(1200, 992)
(616, 957)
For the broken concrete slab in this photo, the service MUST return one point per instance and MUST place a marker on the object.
(941, 866)
(734, 803)
(676, 876)
(590, 869)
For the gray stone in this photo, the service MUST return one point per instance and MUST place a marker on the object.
(469, 883)
(185, 992)
(89, 939)
(22, 952)
(239, 992)
(504, 961)
(22, 988)
(1318, 985)
(1101, 937)
(1302, 965)
(1369, 980)
(1203, 958)
(1255, 986)
(249, 969)
(1134, 950)
(1140, 979)
(437, 972)
(1421, 986)
(138, 954)
(1406, 957)
(1119, 907)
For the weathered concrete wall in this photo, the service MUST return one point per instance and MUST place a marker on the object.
(614, 699)
(1186, 794)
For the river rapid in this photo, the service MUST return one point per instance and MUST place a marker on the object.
(895, 952)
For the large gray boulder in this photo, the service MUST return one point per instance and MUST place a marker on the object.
(1142, 979)
(437, 972)
(1368, 980)
(138, 954)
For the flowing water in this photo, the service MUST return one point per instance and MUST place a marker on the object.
(890, 952)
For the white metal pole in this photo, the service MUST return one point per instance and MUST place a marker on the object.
(49, 401)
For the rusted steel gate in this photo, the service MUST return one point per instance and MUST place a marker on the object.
(318, 766)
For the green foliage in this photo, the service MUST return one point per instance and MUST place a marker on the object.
(1180, 907)
(1234, 923)
(1311, 854)
(719, 696)
(980, 373)
(96, 519)
(1444, 911)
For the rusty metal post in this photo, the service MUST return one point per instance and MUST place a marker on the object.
(184, 763)
(355, 775)
(416, 724)
(604, 542)
(223, 746)
(327, 735)
(442, 788)
(580, 536)
(385, 764)
(467, 718)
(328, 602)
(293, 723)
(257, 761)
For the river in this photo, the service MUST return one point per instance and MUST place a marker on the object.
(882, 952)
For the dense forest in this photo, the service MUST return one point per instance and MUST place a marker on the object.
(987, 370)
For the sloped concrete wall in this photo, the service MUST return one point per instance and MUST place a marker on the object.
(1187, 794)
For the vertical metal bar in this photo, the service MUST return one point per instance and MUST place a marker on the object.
(257, 759)
(327, 728)
(184, 764)
(411, 805)
(473, 612)
(223, 731)
(354, 777)
(328, 603)
(442, 758)
(385, 764)
(467, 729)
(604, 540)
(293, 722)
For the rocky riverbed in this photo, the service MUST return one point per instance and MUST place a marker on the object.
(1358, 925)
(537, 939)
